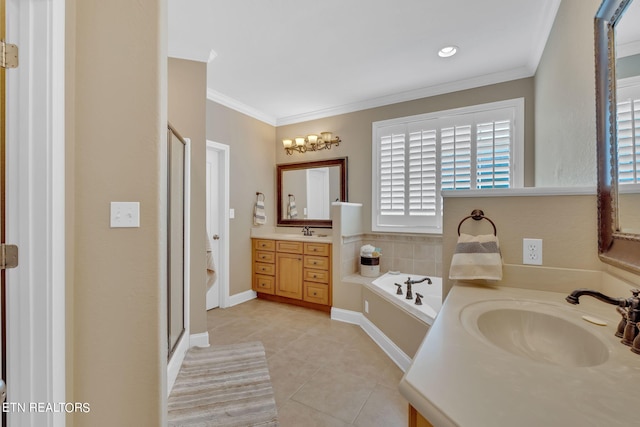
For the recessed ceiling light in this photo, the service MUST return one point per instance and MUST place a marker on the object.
(447, 51)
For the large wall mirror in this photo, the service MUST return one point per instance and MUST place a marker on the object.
(306, 190)
(617, 58)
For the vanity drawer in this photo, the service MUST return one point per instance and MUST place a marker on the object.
(320, 249)
(262, 268)
(316, 292)
(262, 256)
(264, 284)
(317, 262)
(320, 276)
(289, 247)
(264, 245)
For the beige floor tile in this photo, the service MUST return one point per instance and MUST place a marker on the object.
(323, 372)
(340, 395)
(384, 408)
(288, 374)
(295, 414)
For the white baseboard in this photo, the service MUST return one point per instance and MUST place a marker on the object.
(175, 362)
(242, 297)
(394, 352)
(389, 347)
(199, 340)
(346, 316)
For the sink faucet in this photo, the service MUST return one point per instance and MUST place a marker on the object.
(632, 313)
(410, 282)
(306, 231)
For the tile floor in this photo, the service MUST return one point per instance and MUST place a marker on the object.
(324, 372)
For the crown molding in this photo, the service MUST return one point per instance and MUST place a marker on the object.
(227, 101)
(545, 25)
(412, 95)
(488, 79)
(193, 54)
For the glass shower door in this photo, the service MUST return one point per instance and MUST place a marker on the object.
(175, 233)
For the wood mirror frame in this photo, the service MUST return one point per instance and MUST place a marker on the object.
(614, 246)
(318, 223)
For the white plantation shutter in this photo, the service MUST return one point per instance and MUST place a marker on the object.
(414, 158)
(628, 141)
(493, 167)
(423, 171)
(392, 171)
(456, 157)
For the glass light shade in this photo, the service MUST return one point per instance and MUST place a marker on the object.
(287, 143)
(299, 141)
(326, 136)
(313, 139)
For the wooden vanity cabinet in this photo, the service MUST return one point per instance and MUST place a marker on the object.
(293, 272)
(263, 266)
(289, 269)
(416, 419)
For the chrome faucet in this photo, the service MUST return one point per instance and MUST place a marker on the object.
(306, 231)
(410, 282)
(630, 316)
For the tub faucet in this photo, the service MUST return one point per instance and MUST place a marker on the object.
(632, 313)
(410, 282)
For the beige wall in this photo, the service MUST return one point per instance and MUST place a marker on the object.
(406, 331)
(116, 117)
(565, 148)
(566, 225)
(252, 169)
(355, 131)
(187, 113)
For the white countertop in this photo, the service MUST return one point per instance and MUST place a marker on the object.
(456, 379)
(316, 238)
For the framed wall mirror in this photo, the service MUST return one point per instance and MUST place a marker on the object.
(617, 61)
(306, 191)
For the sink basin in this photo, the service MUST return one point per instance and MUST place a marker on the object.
(537, 331)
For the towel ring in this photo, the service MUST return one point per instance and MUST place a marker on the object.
(478, 215)
(291, 196)
(260, 194)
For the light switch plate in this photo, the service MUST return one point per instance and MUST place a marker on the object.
(125, 214)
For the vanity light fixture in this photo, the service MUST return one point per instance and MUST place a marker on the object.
(447, 51)
(310, 143)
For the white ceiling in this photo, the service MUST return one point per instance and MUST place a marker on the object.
(285, 61)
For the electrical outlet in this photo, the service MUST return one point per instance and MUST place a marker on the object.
(366, 306)
(532, 251)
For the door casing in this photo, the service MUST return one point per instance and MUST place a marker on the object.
(36, 210)
(224, 154)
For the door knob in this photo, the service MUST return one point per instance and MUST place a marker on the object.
(216, 237)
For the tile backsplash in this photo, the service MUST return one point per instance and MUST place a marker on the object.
(408, 253)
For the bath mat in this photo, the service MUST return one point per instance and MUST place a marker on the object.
(223, 386)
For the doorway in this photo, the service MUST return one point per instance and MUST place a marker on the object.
(217, 218)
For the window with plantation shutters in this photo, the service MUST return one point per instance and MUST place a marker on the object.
(628, 124)
(414, 158)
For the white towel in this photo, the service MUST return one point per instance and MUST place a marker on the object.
(211, 266)
(292, 210)
(259, 215)
(476, 257)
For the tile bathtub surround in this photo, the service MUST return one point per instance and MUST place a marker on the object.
(411, 253)
(323, 372)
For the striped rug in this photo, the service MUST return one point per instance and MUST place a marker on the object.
(223, 386)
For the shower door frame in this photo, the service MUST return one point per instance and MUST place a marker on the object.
(176, 356)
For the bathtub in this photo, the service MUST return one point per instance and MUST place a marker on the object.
(385, 287)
